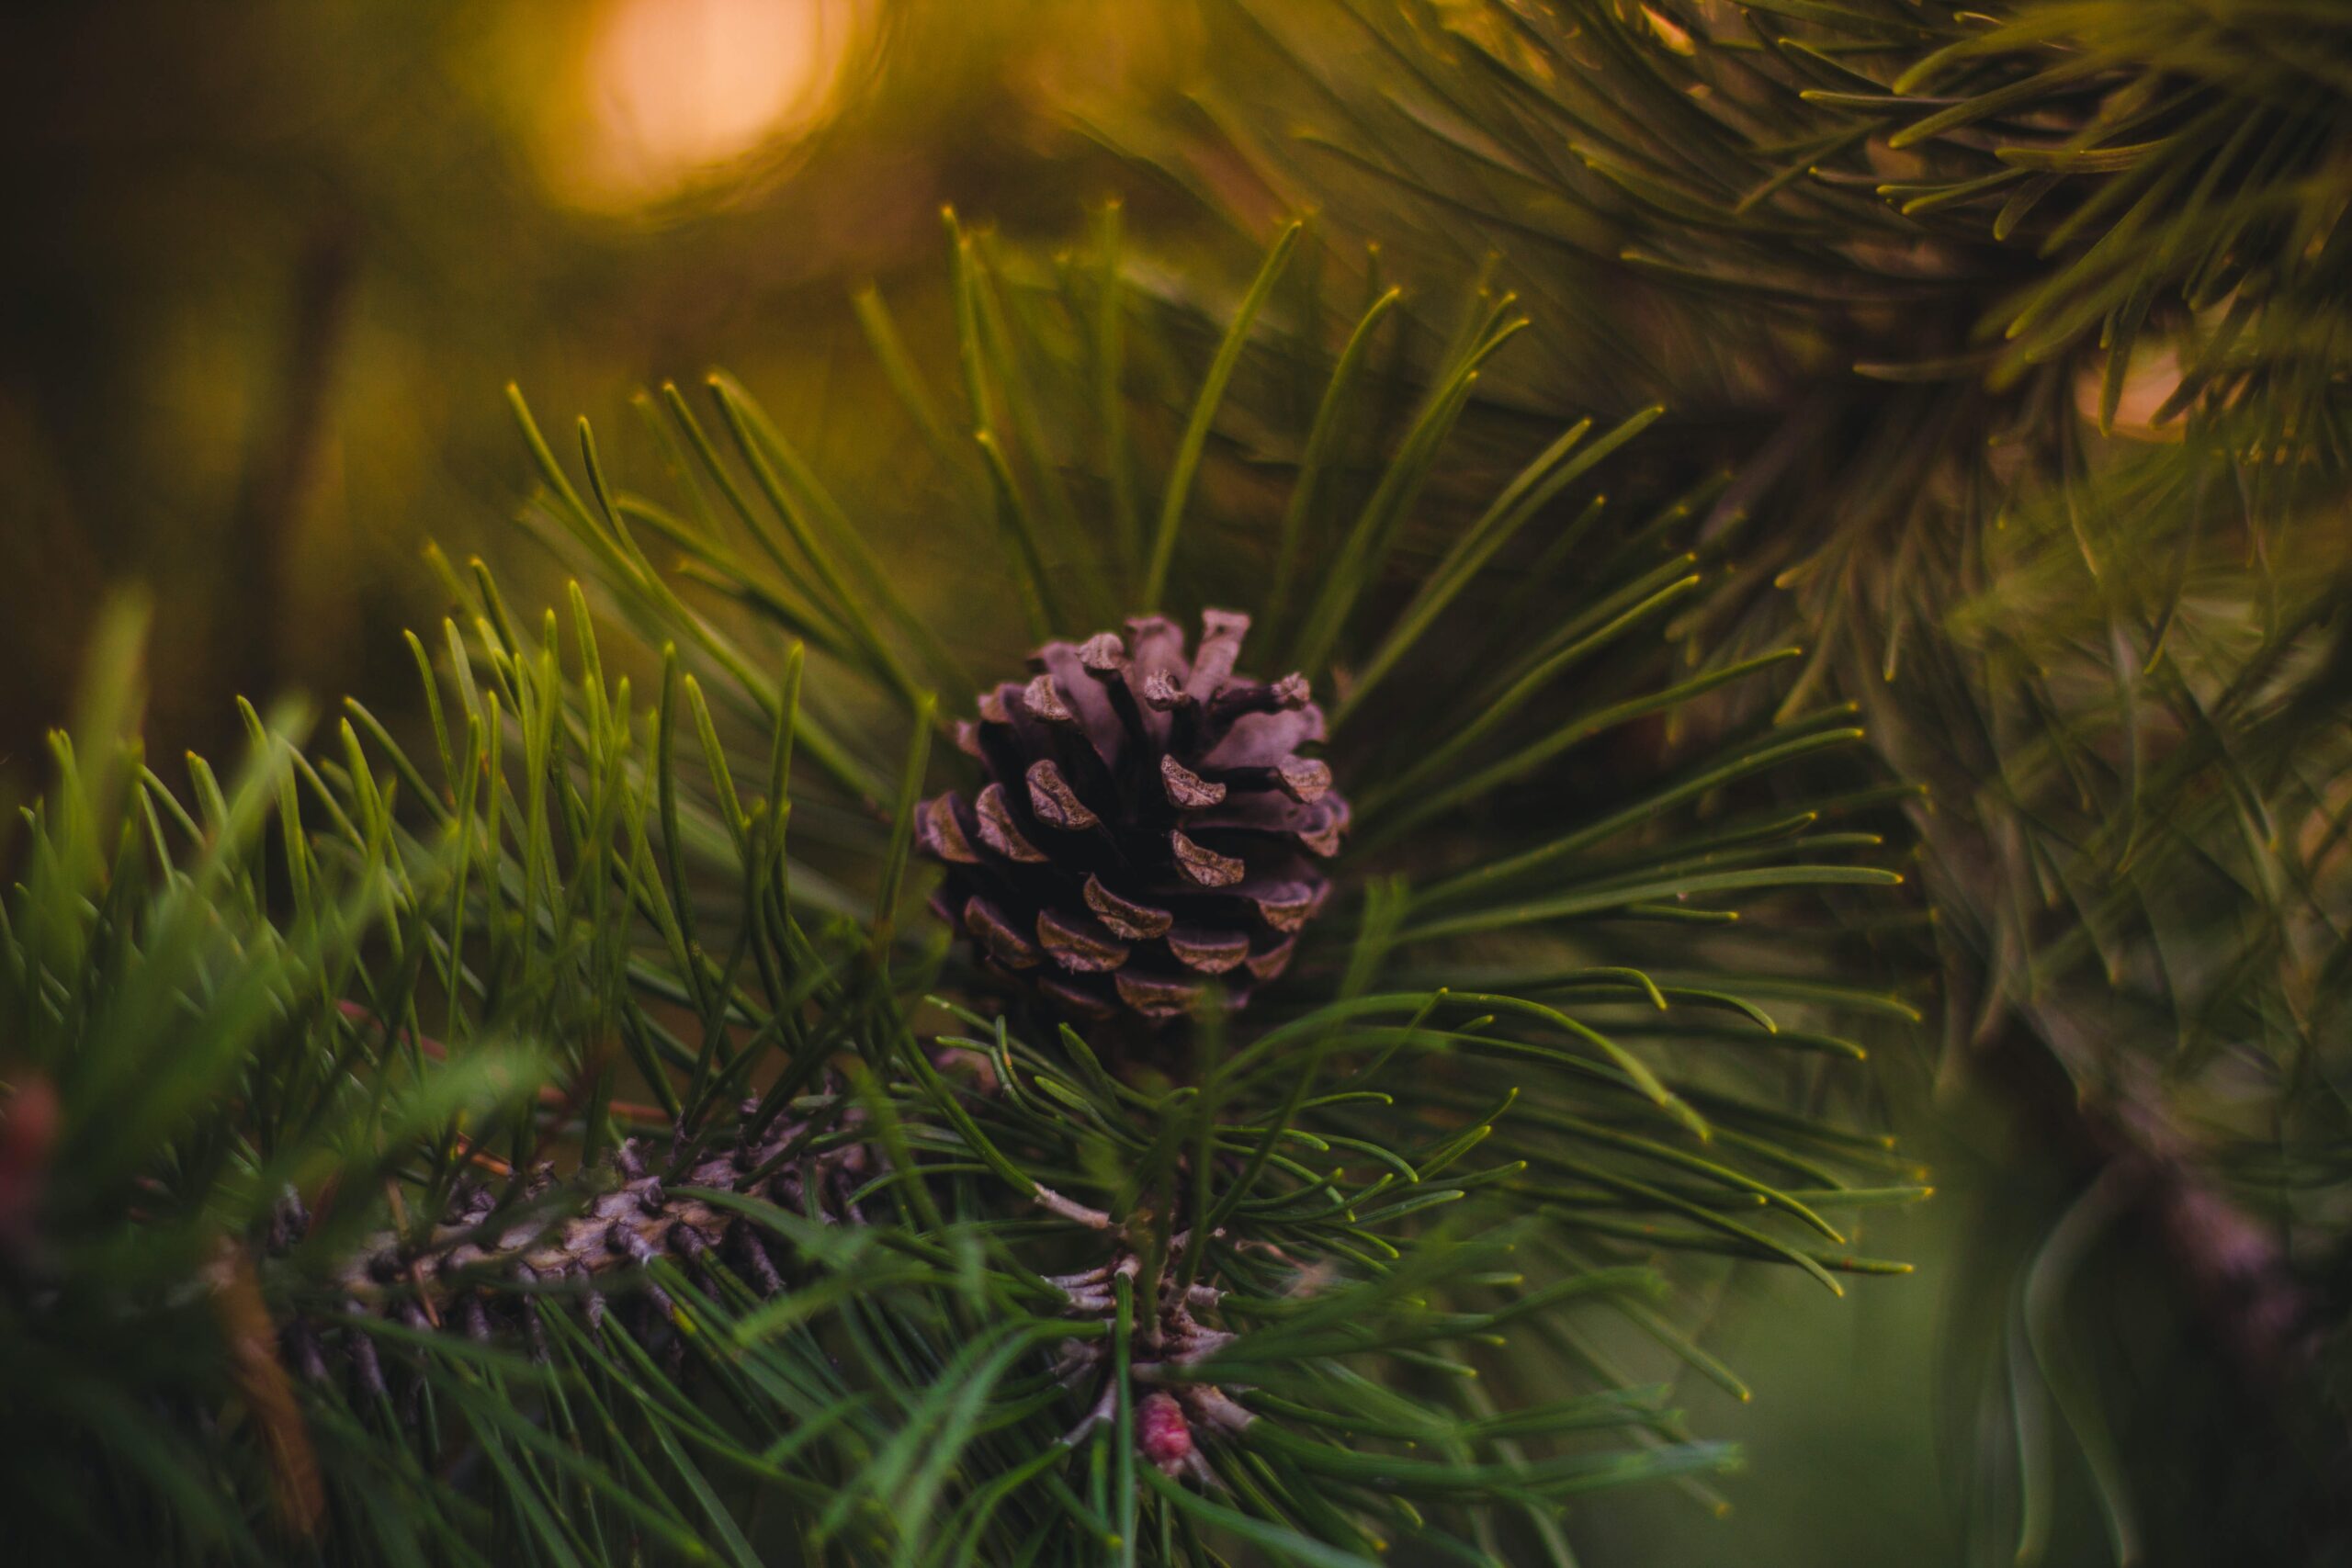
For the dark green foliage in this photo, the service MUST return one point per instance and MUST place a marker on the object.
(336, 1045)
(2020, 333)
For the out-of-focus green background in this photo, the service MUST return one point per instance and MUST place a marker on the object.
(269, 265)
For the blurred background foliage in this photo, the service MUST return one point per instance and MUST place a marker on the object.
(270, 263)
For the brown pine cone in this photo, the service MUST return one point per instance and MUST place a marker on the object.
(1148, 823)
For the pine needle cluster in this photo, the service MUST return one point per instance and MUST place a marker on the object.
(559, 1135)
(2013, 339)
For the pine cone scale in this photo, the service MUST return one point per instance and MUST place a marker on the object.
(1137, 922)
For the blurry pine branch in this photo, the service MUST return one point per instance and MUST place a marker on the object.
(2020, 333)
(558, 1137)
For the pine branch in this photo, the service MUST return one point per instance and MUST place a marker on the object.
(659, 1185)
(2022, 330)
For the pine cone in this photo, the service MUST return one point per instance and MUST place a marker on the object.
(1146, 824)
(621, 1218)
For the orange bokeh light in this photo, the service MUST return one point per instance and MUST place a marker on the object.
(667, 95)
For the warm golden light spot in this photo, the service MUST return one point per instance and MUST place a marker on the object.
(2150, 377)
(665, 94)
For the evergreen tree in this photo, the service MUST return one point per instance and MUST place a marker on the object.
(1412, 762)
(2019, 336)
(563, 1137)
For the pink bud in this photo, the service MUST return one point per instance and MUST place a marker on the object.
(29, 1127)
(1162, 1432)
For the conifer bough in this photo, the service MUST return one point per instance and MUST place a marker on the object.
(878, 1271)
(2020, 333)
